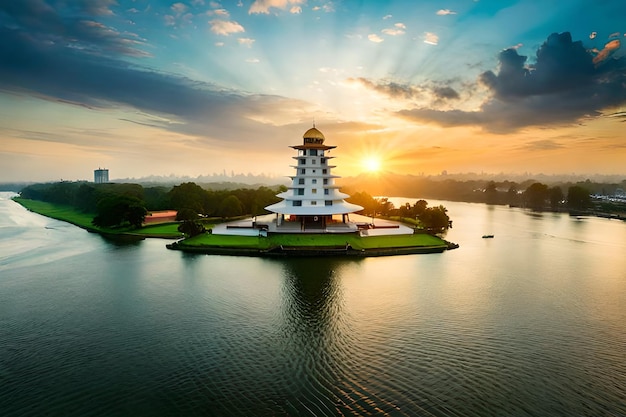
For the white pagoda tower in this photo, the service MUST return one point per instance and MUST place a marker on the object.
(313, 198)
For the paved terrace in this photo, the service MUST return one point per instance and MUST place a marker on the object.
(250, 228)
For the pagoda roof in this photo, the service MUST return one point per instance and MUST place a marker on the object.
(313, 146)
(337, 208)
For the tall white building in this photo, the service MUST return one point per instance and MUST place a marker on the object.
(101, 176)
(313, 198)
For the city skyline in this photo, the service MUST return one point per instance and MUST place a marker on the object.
(191, 88)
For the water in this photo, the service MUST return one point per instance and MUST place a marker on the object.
(530, 323)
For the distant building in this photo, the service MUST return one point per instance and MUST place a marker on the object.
(101, 176)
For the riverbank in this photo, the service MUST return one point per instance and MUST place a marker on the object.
(83, 220)
(272, 245)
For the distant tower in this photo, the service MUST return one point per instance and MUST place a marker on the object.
(101, 176)
(313, 197)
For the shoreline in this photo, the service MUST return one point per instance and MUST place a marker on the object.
(276, 245)
(280, 245)
(283, 252)
(83, 221)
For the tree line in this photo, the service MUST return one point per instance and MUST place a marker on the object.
(434, 219)
(473, 190)
(126, 205)
(122, 205)
(539, 196)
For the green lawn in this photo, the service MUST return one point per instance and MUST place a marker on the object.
(59, 212)
(163, 229)
(313, 240)
(81, 219)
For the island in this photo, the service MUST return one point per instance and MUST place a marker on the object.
(312, 219)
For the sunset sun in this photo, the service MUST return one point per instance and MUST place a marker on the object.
(371, 164)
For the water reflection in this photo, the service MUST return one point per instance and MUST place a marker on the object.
(122, 241)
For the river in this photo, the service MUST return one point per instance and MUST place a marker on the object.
(529, 323)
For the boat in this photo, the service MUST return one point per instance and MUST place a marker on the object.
(487, 236)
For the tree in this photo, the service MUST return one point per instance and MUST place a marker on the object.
(419, 207)
(186, 214)
(512, 196)
(491, 193)
(535, 196)
(435, 218)
(366, 201)
(230, 207)
(556, 196)
(578, 197)
(384, 206)
(188, 195)
(191, 228)
(118, 210)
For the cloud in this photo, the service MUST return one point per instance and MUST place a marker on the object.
(98, 7)
(445, 12)
(295, 10)
(180, 16)
(178, 8)
(563, 86)
(218, 12)
(246, 42)
(398, 29)
(543, 145)
(431, 38)
(374, 38)
(67, 75)
(395, 90)
(264, 6)
(561, 66)
(608, 50)
(225, 27)
(70, 23)
(387, 17)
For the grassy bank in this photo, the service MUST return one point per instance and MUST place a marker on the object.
(83, 220)
(314, 241)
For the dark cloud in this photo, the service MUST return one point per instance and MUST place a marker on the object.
(445, 93)
(394, 89)
(40, 65)
(563, 86)
(70, 23)
(561, 66)
(389, 88)
(543, 145)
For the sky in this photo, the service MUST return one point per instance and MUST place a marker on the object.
(195, 87)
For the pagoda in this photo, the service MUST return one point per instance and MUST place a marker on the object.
(313, 202)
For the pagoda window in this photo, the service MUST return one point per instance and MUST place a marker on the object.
(303, 171)
(314, 203)
(323, 161)
(299, 191)
(324, 171)
(313, 152)
(325, 181)
(314, 190)
(300, 181)
(326, 191)
(314, 181)
(297, 203)
(302, 161)
(328, 202)
(313, 161)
